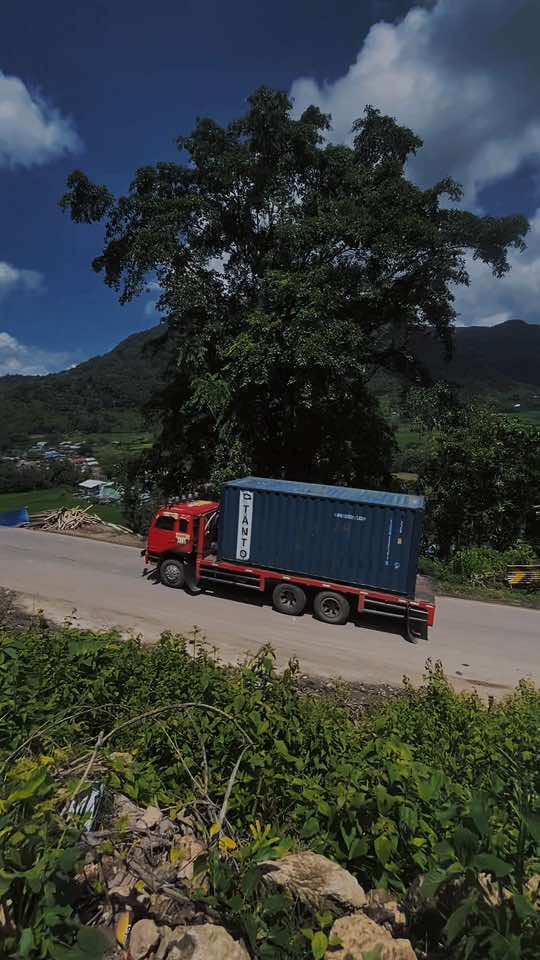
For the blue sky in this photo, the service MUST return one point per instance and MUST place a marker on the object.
(107, 87)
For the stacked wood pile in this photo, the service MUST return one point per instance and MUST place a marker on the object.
(71, 518)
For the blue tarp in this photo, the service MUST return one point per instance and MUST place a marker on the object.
(14, 518)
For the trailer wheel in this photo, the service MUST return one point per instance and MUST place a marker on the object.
(288, 598)
(171, 572)
(331, 607)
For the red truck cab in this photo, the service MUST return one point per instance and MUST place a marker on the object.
(175, 536)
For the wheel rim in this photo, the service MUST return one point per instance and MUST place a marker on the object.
(172, 573)
(331, 608)
(289, 599)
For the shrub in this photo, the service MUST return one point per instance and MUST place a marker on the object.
(434, 783)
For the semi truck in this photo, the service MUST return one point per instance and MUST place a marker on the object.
(336, 550)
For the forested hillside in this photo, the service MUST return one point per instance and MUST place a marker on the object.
(99, 395)
(110, 391)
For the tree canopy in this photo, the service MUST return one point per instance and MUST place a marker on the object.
(481, 476)
(291, 270)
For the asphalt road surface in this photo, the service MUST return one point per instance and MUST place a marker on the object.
(484, 646)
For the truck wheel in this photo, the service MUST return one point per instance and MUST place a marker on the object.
(331, 607)
(288, 598)
(171, 572)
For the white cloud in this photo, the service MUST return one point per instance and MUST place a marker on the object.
(18, 358)
(13, 278)
(488, 301)
(464, 75)
(31, 130)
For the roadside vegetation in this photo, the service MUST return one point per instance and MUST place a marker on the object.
(434, 796)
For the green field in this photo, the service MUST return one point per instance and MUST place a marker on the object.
(37, 501)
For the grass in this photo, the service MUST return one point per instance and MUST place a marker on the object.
(504, 595)
(37, 501)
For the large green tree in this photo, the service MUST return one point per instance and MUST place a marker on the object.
(291, 269)
(480, 473)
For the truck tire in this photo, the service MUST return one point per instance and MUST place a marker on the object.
(171, 572)
(331, 607)
(288, 598)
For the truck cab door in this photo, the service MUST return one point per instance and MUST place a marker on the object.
(165, 528)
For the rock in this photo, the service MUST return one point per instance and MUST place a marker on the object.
(172, 940)
(144, 938)
(189, 849)
(383, 908)
(166, 827)
(357, 934)
(316, 881)
(125, 810)
(125, 890)
(533, 887)
(150, 819)
(206, 942)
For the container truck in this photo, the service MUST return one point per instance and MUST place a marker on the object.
(340, 550)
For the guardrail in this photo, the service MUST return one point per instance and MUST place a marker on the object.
(526, 575)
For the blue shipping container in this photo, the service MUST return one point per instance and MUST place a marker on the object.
(364, 538)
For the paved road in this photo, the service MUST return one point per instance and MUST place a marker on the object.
(486, 646)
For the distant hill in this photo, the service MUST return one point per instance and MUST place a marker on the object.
(99, 395)
(497, 360)
(108, 392)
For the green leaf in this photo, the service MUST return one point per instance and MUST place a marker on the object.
(359, 847)
(274, 903)
(6, 880)
(319, 945)
(69, 859)
(479, 816)
(488, 863)
(311, 828)
(92, 943)
(29, 789)
(465, 844)
(523, 907)
(383, 849)
(533, 825)
(432, 882)
(26, 942)
(456, 922)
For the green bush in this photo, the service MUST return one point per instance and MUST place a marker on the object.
(479, 566)
(434, 783)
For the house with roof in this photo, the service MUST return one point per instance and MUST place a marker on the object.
(101, 490)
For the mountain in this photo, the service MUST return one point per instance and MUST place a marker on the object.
(105, 393)
(109, 392)
(497, 360)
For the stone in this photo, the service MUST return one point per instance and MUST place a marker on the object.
(206, 942)
(533, 887)
(150, 819)
(171, 941)
(125, 810)
(357, 935)
(143, 939)
(316, 881)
